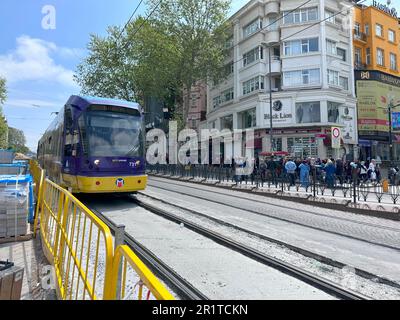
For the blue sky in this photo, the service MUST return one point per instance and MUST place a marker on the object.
(39, 64)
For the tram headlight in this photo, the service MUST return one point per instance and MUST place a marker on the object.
(96, 162)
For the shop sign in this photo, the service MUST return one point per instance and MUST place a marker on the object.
(336, 137)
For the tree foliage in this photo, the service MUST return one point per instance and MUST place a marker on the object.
(181, 43)
(3, 123)
(17, 140)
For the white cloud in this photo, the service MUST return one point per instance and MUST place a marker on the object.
(32, 61)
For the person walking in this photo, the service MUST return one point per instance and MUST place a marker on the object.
(305, 174)
(340, 171)
(290, 168)
(330, 173)
(372, 175)
(363, 172)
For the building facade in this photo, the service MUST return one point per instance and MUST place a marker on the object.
(377, 65)
(197, 105)
(308, 66)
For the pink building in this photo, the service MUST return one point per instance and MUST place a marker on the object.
(197, 105)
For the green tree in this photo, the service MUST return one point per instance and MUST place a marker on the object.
(181, 43)
(201, 30)
(17, 140)
(3, 122)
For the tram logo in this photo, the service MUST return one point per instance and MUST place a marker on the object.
(120, 183)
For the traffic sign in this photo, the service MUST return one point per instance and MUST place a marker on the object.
(336, 137)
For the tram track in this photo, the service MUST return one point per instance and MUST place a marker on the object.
(182, 287)
(304, 252)
(192, 186)
(270, 215)
(286, 268)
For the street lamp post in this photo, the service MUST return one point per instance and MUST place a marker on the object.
(270, 99)
(390, 108)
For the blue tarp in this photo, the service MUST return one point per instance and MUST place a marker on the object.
(23, 180)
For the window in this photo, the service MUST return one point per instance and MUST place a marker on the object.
(342, 53)
(229, 68)
(368, 56)
(303, 147)
(227, 122)
(357, 30)
(331, 47)
(253, 84)
(357, 56)
(249, 119)
(379, 30)
(216, 102)
(253, 55)
(392, 36)
(308, 112)
(393, 61)
(301, 46)
(300, 16)
(301, 77)
(333, 112)
(333, 77)
(366, 28)
(380, 57)
(252, 28)
(344, 83)
(330, 16)
(225, 96)
(229, 43)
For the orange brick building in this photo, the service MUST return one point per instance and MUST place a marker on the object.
(376, 41)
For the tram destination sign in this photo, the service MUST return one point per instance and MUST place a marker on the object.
(385, 8)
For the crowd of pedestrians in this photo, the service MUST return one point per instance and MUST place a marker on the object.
(329, 171)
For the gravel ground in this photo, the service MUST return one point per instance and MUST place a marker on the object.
(375, 259)
(346, 276)
(218, 272)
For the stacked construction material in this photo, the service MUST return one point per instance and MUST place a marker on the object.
(6, 156)
(14, 196)
(13, 208)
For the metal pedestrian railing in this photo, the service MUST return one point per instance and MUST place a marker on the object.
(345, 188)
(80, 247)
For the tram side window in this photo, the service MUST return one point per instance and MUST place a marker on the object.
(69, 123)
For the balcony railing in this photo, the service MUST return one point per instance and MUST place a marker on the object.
(360, 35)
(360, 66)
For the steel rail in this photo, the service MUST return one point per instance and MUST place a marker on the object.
(196, 187)
(274, 217)
(182, 287)
(307, 277)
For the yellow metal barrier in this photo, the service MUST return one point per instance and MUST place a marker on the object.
(80, 247)
(131, 278)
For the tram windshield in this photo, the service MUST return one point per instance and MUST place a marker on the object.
(112, 133)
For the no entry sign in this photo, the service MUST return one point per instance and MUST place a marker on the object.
(336, 137)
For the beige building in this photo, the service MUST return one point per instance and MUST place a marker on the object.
(311, 77)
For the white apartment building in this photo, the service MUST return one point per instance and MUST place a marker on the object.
(311, 76)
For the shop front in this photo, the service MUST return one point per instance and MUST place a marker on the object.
(375, 91)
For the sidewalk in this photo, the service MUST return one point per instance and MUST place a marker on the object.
(28, 255)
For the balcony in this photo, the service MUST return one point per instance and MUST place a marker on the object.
(272, 36)
(360, 66)
(275, 65)
(272, 7)
(361, 36)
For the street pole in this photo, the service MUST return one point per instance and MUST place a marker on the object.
(390, 135)
(270, 99)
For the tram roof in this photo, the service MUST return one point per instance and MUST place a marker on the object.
(85, 101)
